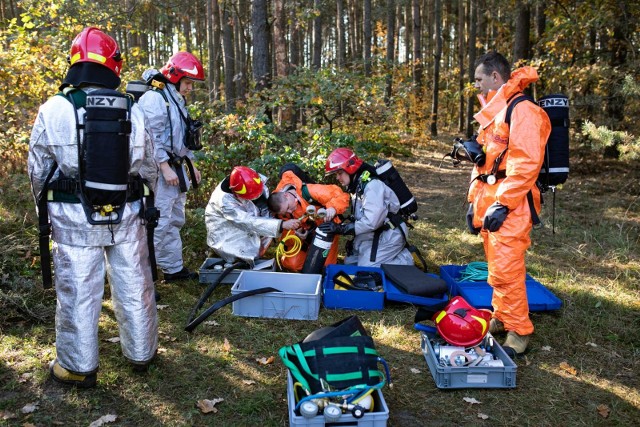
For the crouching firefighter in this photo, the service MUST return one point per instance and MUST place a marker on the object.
(380, 234)
(175, 137)
(87, 151)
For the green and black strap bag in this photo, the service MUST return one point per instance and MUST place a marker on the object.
(336, 357)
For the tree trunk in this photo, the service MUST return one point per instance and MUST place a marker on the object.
(473, 16)
(417, 48)
(366, 40)
(260, 44)
(317, 36)
(241, 50)
(521, 36)
(461, 80)
(211, 51)
(341, 54)
(229, 61)
(437, 21)
(541, 23)
(215, 18)
(408, 26)
(391, 29)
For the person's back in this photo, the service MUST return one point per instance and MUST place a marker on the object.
(88, 244)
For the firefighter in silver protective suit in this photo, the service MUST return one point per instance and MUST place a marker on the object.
(175, 137)
(84, 251)
(239, 225)
(379, 237)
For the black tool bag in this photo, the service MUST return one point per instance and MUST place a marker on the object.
(339, 356)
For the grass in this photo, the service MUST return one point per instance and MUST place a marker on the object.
(583, 363)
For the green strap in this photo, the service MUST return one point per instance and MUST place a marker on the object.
(306, 195)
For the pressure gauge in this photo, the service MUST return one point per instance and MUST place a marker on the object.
(332, 413)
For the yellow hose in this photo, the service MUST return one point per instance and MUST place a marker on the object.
(282, 253)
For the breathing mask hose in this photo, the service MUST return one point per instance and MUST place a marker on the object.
(282, 252)
(207, 292)
(318, 252)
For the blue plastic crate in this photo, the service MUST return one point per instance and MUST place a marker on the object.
(395, 294)
(479, 294)
(352, 300)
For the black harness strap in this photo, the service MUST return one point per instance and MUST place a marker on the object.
(44, 231)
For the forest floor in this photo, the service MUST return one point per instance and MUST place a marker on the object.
(583, 367)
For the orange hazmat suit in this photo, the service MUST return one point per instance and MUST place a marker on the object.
(524, 141)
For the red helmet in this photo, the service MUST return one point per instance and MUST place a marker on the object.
(342, 158)
(246, 183)
(182, 64)
(462, 325)
(92, 45)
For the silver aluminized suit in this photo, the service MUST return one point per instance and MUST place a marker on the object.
(168, 133)
(82, 252)
(237, 228)
(370, 209)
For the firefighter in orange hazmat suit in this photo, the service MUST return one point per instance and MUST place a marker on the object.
(290, 199)
(499, 209)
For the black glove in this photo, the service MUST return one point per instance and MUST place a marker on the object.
(333, 228)
(494, 217)
(473, 230)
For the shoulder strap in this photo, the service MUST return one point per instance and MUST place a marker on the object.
(512, 105)
(306, 195)
(76, 96)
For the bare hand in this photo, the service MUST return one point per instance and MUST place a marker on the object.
(291, 224)
(168, 174)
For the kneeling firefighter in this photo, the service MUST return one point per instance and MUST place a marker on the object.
(380, 233)
(239, 226)
(87, 152)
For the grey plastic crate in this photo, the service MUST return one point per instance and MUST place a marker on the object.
(451, 377)
(298, 299)
(377, 418)
(209, 274)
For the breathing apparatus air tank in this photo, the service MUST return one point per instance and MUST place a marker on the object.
(317, 253)
(391, 177)
(105, 153)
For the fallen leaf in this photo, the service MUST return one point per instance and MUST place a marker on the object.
(28, 425)
(5, 415)
(161, 350)
(415, 371)
(109, 418)
(598, 304)
(527, 362)
(603, 410)
(568, 368)
(483, 416)
(226, 346)
(266, 361)
(545, 348)
(211, 323)
(162, 307)
(114, 339)
(471, 400)
(29, 408)
(248, 382)
(206, 406)
(592, 344)
(25, 377)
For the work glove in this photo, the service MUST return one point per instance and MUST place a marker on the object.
(333, 228)
(473, 230)
(494, 217)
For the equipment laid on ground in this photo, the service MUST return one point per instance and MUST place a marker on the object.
(486, 365)
(334, 371)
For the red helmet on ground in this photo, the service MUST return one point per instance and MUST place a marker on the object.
(182, 64)
(246, 183)
(461, 324)
(342, 158)
(92, 45)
